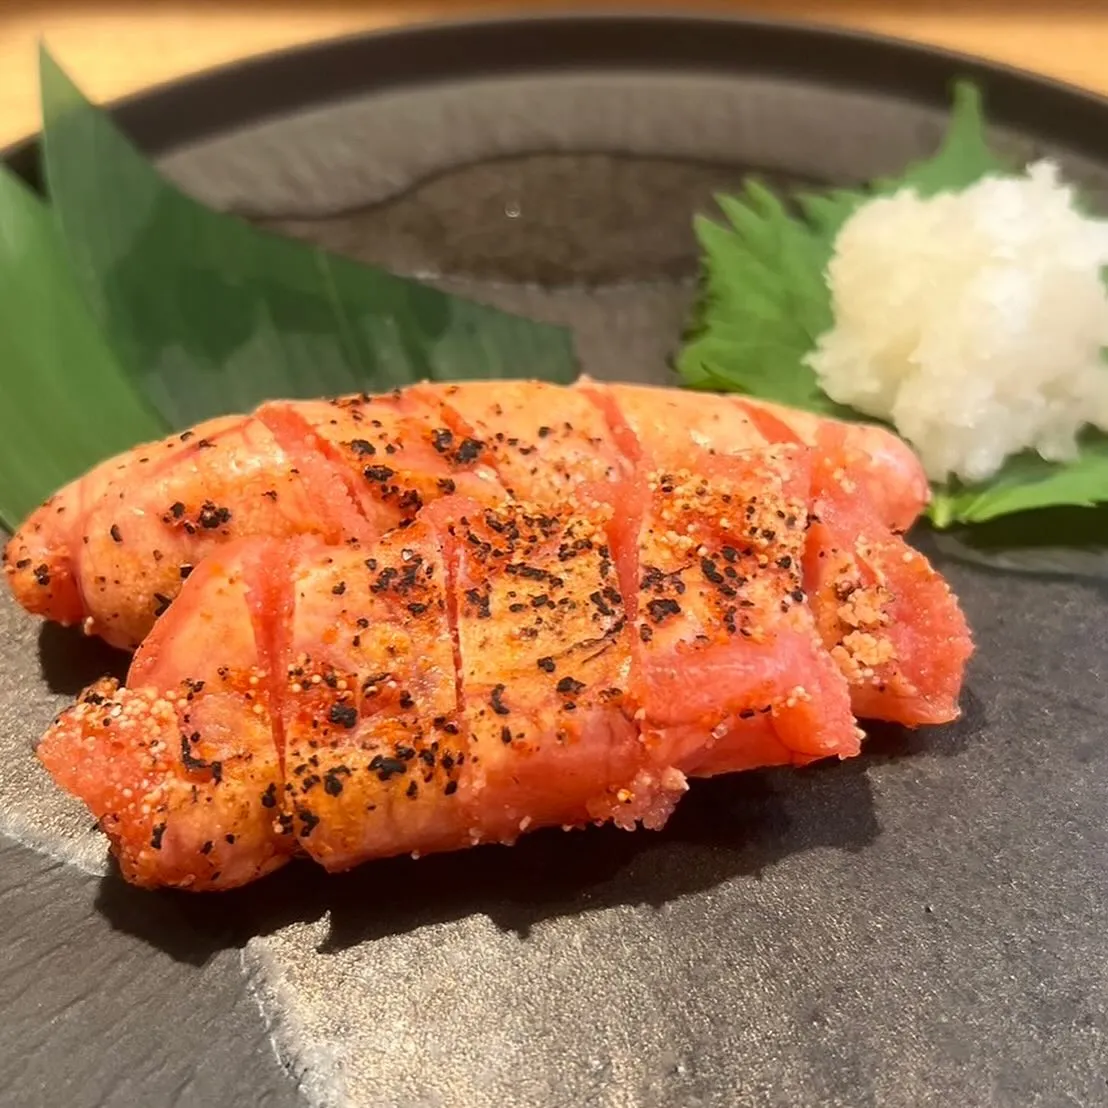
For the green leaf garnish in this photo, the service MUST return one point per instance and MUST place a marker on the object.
(764, 301)
(964, 157)
(763, 304)
(67, 404)
(1026, 482)
(211, 315)
(130, 310)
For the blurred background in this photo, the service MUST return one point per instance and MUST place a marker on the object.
(113, 47)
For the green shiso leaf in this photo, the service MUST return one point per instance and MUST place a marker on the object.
(764, 302)
(211, 315)
(67, 404)
(964, 156)
(1027, 482)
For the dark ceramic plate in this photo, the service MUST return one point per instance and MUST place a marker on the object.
(925, 925)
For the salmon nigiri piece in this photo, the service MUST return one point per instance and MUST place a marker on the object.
(479, 673)
(112, 549)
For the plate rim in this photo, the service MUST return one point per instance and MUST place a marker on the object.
(247, 91)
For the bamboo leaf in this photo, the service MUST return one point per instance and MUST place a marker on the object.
(66, 403)
(211, 315)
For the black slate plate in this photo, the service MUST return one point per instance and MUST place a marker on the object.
(927, 924)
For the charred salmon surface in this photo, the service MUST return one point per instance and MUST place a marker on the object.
(456, 614)
(111, 550)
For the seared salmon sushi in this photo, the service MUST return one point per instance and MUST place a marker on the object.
(111, 550)
(483, 671)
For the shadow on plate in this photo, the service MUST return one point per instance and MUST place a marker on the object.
(70, 661)
(1067, 543)
(727, 828)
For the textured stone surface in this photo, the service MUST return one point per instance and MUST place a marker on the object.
(925, 925)
(95, 1017)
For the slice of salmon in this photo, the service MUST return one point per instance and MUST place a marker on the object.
(180, 766)
(544, 441)
(113, 547)
(373, 748)
(729, 671)
(887, 617)
(544, 671)
(883, 468)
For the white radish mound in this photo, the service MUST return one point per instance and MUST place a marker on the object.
(974, 322)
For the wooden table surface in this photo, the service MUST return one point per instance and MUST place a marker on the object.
(113, 47)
